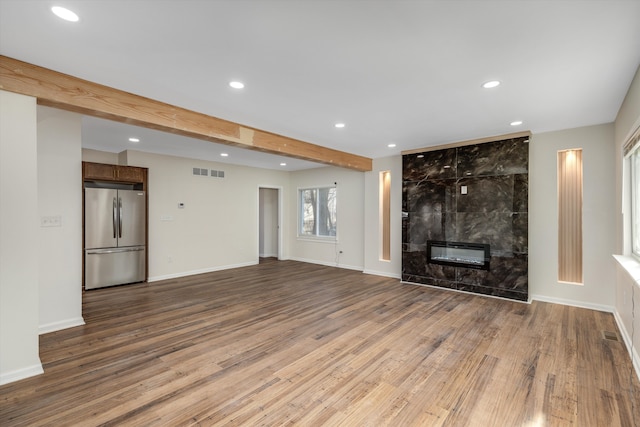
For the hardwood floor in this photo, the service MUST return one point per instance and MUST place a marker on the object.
(288, 343)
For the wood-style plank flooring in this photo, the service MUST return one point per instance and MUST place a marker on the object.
(289, 343)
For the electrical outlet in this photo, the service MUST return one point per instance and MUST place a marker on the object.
(51, 221)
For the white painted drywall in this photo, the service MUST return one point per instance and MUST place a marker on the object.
(96, 156)
(19, 238)
(598, 217)
(60, 195)
(350, 207)
(372, 236)
(218, 226)
(627, 290)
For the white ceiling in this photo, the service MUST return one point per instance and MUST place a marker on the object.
(407, 72)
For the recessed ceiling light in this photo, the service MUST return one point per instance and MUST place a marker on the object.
(283, 164)
(420, 156)
(224, 154)
(134, 139)
(65, 14)
(491, 84)
(392, 145)
(516, 123)
(236, 85)
(339, 125)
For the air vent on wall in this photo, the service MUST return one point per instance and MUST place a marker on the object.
(199, 171)
(217, 174)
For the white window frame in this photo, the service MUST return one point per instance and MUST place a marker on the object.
(631, 195)
(634, 188)
(301, 215)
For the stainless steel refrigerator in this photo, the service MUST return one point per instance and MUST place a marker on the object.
(114, 237)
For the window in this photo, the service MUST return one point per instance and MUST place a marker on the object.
(635, 202)
(318, 215)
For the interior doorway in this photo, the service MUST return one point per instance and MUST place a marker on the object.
(269, 223)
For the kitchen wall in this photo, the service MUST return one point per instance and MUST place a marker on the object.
(19, 238)
(218, 226)
(99, 156)
(59, 197)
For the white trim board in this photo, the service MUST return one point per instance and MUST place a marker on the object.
(202, 271)
(60, 325)
(21, 374)
(573, 303)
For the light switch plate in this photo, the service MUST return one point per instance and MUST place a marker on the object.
(463, 189)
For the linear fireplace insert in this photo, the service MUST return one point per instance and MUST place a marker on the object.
(459, 254)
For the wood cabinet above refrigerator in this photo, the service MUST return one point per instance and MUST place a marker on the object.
(116, 173)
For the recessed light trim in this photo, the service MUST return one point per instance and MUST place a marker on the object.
(224, 154)
(491, 84)
(132, 139)
(236, 85)
(339, 125)
(516, 123)
(65, 14)
(392, 145)
(283, 164)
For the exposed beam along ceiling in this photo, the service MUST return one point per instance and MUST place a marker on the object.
(58, 90)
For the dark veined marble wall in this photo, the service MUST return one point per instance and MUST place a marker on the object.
(494, 211)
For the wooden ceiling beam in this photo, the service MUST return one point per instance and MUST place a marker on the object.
(58, 90)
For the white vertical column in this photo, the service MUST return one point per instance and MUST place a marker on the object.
(19, 238)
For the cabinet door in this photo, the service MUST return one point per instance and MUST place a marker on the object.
(129, 174)
(99, 171)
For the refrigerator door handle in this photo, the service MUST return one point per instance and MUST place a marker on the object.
(113, 251)
(120, 217)
(115, 212)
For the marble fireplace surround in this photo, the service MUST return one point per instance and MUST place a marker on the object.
(474, 192)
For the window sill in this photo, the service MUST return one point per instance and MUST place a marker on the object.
(631, 266)
(331, 240)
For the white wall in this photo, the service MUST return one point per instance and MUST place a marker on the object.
(598, 213)
(218, 227)
(372, 236)
(350, 208)
(19, 238)
(60, 195)
(627, 289)
(96, 156)
(268, 222)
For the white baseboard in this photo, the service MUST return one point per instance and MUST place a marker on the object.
(328, 264)
(268, 255)
(626, 337)
(383, 273)
(573, 303)
(21, 374)
(202, 271)
(62, 324)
